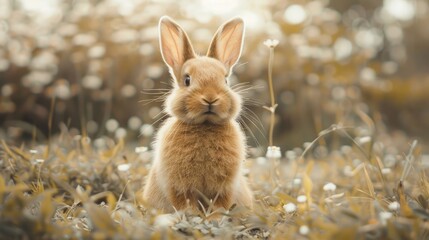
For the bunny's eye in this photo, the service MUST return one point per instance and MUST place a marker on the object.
(187, 80)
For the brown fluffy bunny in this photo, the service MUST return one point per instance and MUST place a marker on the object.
(200, 148)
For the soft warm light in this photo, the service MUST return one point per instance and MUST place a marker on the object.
(204, 10)
(343, 48)
(250, 11)
(369, 38)
(125, 7)
(400, 9)
(295, 14)
(42, 7)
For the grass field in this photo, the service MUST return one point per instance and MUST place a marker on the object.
(76, 188)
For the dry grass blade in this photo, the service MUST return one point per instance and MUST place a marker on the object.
(405, 208)
(409, 160)
(7, 149)
(369, 183)
(109, 196)
(101, 219)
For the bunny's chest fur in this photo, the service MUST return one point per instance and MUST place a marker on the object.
(202, 157)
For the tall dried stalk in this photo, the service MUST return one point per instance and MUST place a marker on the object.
(271, 44)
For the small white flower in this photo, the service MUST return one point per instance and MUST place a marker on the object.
(33, 151)
(141, 149)
(301, 198)
(384, 216)
(386, 171)
(164, 220)
(329, 187)
(394, 206)
(289, 207)
(273, 152)
(39, 160)
(364, 140)
(271, 43)
(297, 181)
(124, 167)
(120, 133)
(304, 230)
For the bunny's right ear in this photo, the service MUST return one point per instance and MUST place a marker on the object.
(227, 43)
(176, 48)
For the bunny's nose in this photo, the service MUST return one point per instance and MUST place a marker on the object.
(210, 102)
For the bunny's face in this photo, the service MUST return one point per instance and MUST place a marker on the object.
(201, 92)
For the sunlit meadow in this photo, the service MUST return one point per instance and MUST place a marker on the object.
(336, 116)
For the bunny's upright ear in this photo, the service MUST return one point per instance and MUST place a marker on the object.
(176, 48)
(227, 43)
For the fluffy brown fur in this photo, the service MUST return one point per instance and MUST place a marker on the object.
(200, 148)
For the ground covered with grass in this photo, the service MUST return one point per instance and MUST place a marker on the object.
(74, 187)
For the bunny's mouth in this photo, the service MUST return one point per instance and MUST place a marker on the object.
(209, 113)
(211, 117)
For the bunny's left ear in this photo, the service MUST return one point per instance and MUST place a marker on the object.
(176, 48)
(227, 43)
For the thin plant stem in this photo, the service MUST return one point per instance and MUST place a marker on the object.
(270, 75)
(273, 106)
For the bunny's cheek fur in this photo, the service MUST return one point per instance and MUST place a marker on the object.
(175, 105)
(188, 106)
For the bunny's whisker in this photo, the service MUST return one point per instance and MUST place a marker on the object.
(247, 117)
(241, 84)
(154, 93)
(245, 89)
(159, 119)
(241, 64)
(251, 102)
(244, 124)
(239, 88)
(247, 84)
(156, 99)
(254, 117)
(253, 134)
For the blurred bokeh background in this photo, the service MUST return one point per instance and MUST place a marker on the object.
(85, 65)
